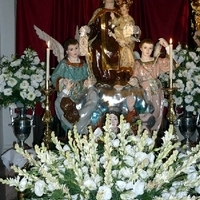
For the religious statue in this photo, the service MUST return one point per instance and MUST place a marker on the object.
(70, 78)
(104, 49)
(124, 30)
(147, 69)
(108, 67)
(195, 4)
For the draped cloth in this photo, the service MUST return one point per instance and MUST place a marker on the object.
(160, 18)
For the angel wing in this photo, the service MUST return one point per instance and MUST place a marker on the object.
(55, 46)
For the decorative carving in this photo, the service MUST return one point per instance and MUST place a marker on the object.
(195, 4)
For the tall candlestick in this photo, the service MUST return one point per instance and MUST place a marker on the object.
(47, 65)
(171, 63)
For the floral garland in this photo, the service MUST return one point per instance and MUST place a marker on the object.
(22, 79)
(110, 166)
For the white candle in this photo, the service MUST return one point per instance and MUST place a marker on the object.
(171, 63)
(47, 65)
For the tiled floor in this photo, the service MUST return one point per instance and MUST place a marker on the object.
(6, 192)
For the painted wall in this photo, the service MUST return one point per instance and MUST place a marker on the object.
(7, 48)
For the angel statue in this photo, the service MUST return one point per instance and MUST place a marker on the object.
(73, 81)
(147, 70)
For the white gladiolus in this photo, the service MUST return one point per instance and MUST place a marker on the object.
(197, 189)
(98, 132)
(166, 172)
(125, 172)
(192, 176)
(129, 160)
(104, 193)
(120, 185)
(151, 157)
(115, 143)
(143, 174)
(39, 188)
(66, 148)
(22, 184)
(140, 156)
(138, 188)
(115, 161)
(90, 184)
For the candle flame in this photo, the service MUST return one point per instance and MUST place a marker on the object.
(48, 44)
(170, 41)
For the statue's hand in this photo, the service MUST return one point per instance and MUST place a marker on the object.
(88, 83)
(68, 84)
(163, 42)
(134, 82)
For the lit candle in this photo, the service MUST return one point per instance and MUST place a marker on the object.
(47, 65)
(171, 63)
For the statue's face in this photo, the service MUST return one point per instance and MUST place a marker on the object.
(113, 120)
(73, 51)
(146, 49)
(124, 9)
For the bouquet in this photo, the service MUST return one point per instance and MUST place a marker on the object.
(109, 166)
(186, 78)
(22, 79)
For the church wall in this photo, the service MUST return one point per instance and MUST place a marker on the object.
(7, 47)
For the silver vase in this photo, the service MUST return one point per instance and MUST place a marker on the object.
(21, 124)
(187, 126)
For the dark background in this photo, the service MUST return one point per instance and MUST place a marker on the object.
(59, 18)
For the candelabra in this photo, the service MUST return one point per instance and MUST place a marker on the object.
(47, 119)
(171, 115)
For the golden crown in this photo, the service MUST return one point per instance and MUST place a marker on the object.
(124, 2)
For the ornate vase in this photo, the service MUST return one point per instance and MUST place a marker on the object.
(21, 124)
(187, 125)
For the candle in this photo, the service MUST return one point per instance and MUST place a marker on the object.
(171, 63)
(47, 65)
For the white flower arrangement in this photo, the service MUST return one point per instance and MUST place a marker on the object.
(22, 79)
(116, 166)
(186, 78)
